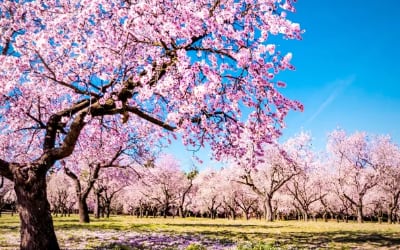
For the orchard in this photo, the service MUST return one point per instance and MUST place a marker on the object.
(93, 91)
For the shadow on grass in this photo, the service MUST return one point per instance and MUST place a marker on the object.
(332, 239)
(104, 226)
(9, 227)
(245, 227)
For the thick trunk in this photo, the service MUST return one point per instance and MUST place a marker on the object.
(268, 210)
(165, 210)
(305, 215)
(360, 214)
(390, 214)
(181, 212)
(233, 214)
(97, 206)
(247, 213)
(37, 231)
(83, 211)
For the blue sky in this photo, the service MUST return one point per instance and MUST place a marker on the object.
(347, 70)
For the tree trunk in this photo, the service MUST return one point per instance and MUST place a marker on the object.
(305, 215)
(165, 211)
(97, 206)
(181, 212)
(37, 231)
(360, 214)
(390, 214)
(83, 211)
(268, 210)
(325, 216)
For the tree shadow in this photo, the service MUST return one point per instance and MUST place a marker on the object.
(338, 239)
(216, 225)
(253, 233)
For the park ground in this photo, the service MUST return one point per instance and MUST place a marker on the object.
(128, 232)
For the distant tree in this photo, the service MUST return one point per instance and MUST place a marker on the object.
(209, 195)
(161, 182)
(355, 173)
(307, 188)
(7, 195)
(98, 149)
(386, 156)
(111, 181)
(268, 171)
(185, 191)
(236, 196)
(61, 193)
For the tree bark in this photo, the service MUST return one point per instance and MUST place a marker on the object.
(305, 215)
(83, 194)
(97, 206)
(181, 212)
(360, 214)
(37, 231)
(390, 214)
(268, 210)
(83, 211)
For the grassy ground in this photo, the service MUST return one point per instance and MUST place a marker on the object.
(227, 234)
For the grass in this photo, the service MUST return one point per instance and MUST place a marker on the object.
(253, 234)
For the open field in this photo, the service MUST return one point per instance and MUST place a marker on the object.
(125, 232)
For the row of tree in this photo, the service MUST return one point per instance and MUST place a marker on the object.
(357, 177)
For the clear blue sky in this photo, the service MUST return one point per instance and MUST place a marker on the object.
(347, 70)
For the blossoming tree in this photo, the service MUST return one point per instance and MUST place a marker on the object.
(267, 173)
(386, 156)
(355, 173)
(202, 68)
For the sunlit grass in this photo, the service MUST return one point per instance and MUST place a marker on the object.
(282, 234)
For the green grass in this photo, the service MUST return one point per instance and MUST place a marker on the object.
(253, 234)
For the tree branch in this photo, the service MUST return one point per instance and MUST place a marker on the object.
(149, 118)
(5, 170)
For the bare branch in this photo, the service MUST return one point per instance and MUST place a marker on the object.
(150, 118)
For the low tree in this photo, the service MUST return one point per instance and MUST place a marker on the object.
(273, 167)
(386, 156)
(118, 149)
(209, 195)
(6, 194)
(355, 173)
(161, 182)
(307, 188)
(185, 191)
(110, 183)
(61, 193)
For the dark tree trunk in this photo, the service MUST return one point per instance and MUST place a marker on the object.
(390, 214)
(37, 231)
(181, 212)
(83, 194)
(325, 216)
(97, 206)
(107, 206)
(360, 214)
(83, 211)
(247, 213)
(165, 210)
